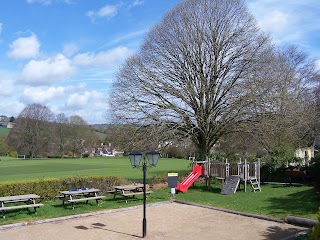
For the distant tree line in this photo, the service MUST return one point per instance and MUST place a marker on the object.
(39, 132)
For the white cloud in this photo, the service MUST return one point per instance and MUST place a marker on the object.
(109, 58)
(11, 108)
(84, 100)
(8, 89)
(24, 47)
(44, 72)
(274, 21)
(41, 94)
(317, 65)
(91, 105)
(106, 11)
(131, 35)
(44, 2)
(47, 2)
(70, 49)
(137, 3)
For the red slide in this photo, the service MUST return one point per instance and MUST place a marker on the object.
(194, 175)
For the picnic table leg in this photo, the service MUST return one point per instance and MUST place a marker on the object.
(72, 203)
(35, 211)
(2, 205)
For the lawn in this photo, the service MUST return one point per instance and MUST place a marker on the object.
(4, 131)
(274, 200)
(12, 169)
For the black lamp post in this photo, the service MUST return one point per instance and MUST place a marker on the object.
(135, 159)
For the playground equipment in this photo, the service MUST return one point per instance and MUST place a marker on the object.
(246, 172)
(192, 177)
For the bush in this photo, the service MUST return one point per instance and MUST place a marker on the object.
(175, 152)
(159, 179)
(12, 154)
(49, 188)
(54, 156)
(270, 173)
(315, 168)
(315, 233)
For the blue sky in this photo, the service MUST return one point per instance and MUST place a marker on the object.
(65, 53)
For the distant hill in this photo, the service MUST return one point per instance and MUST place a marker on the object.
(100, 126)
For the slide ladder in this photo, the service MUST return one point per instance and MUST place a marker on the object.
(255, 184)
(191, 178)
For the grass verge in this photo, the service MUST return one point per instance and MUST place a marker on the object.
(273, 201)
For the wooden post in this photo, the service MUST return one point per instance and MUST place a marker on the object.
(209, 172)
(227, 168)
(258, 171)
(245, 175)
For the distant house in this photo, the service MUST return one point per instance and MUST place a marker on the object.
(305, 153)
(4, 118)
(6, 124)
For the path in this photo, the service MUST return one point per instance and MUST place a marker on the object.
(172, 221)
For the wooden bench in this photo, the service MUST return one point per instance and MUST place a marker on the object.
(59, 197)
(86, 199)
(35, 206)
(133, 194)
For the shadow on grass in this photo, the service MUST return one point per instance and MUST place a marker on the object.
(275, 233)
(297, 203)
(202, 188)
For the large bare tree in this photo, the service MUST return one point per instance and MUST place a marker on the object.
(62, 132)
(192, 73)
(81, 135)
(283, 113)
(33, 130)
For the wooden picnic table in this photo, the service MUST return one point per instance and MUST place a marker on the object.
(80, 195)
(130, 190)
(19, 202)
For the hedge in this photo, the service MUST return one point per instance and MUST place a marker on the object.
(49, 188)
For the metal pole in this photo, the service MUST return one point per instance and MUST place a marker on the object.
(144, 221)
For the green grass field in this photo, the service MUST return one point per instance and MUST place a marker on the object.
(275, 201)
(12, 169)
(4, 131)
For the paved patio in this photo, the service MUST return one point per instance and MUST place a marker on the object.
(168, 220)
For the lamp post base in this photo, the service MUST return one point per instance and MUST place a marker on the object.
(144, 221)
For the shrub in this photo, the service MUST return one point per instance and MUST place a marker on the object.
(12, 154)
(158, 179)
(315, 233)
(175, 152)
(49, 188)
(270, 173)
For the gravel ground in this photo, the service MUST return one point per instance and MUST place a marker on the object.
(168, 220)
